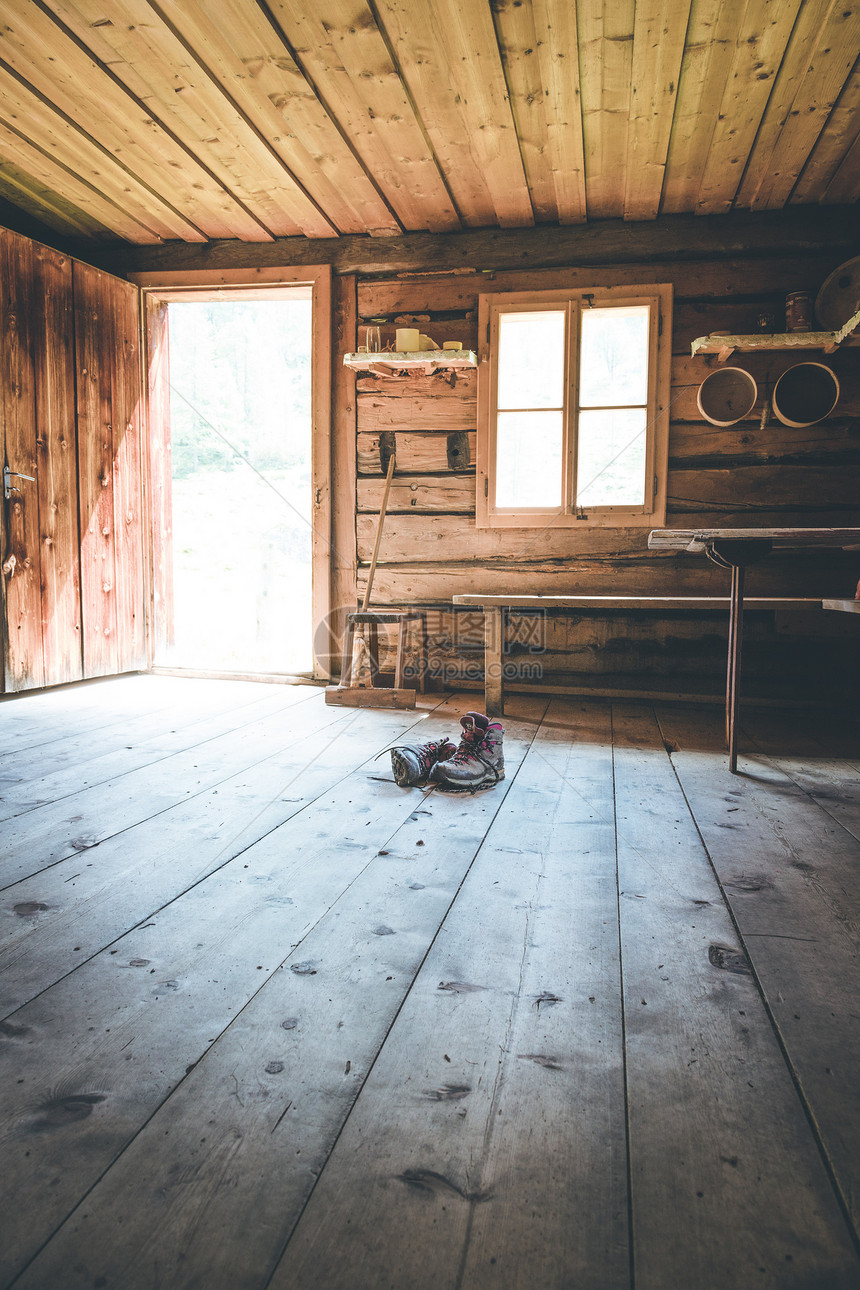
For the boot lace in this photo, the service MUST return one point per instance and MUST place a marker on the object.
(470, 747)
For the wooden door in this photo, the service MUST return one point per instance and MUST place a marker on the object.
(110, 473)
(40, 545)
(72, 554)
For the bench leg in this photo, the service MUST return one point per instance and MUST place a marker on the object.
(399, 665)
(422, 661)
(346, 660)
(494, 681)
(373, 652)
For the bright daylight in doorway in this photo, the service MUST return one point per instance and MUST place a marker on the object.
(240, 409)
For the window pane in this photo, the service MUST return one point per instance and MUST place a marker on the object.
(528, 459)
(611, 458)
(531, 360)
(613, 365)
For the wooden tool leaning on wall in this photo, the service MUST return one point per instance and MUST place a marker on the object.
(348, 693)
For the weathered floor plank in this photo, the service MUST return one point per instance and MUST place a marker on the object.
(791, 875)
(245, 1048)
(180, 736)
(719, 1139)
(340, 938)
(54, 831)
(832, 781)
(176, 713)
(40, 717)
(487, 1146)
(84, 902)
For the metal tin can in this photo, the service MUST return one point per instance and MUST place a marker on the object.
(798, 311)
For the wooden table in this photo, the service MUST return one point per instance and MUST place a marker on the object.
(735, 549)
(497, 607)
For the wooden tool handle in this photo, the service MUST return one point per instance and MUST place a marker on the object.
(391, 463)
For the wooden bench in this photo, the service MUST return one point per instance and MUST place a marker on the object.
(496, 608)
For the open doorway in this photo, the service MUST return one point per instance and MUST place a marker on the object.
(239, 464)
(240, 417)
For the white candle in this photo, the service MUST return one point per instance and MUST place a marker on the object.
(407, 340)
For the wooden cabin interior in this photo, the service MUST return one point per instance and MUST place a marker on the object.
(593, 1025)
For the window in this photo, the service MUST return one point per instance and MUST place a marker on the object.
(573, 396)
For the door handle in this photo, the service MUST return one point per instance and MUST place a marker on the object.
(8, 486)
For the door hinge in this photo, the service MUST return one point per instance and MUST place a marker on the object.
(486, 486)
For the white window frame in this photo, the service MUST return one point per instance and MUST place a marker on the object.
(491, 307)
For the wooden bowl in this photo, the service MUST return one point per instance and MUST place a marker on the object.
(726, 396)
(805, 394)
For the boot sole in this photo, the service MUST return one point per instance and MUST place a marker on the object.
(458, 786)
(404, 775)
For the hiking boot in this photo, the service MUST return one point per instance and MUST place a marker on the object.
(479, 762)
(412, 763)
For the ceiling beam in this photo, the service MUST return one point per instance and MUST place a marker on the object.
(666, 239)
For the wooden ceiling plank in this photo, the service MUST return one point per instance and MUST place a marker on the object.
(659, 36)
(441, 118)
(52, 133)
(246, 56)
(762, 38)
(449, 58)
(29, 195)
(833, 144)
(344, 56)
(605, 69)
(65, 184)
(558, 52)
(61, 72)
(467, 36)
(820, 56)
(540, 54)
(845, 184)
(711, 34)
(149, 59)
(518, 43)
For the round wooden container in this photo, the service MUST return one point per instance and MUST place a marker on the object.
(806, 393)
(726, 396)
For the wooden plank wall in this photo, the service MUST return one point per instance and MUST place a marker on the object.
(73, 558)
(746, 475)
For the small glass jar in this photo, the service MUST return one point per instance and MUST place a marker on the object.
(798, 311)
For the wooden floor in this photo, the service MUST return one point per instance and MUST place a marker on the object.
(271, 1021)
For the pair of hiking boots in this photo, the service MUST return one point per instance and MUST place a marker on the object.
(478, 761)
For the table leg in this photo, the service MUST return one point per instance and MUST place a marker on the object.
(494, 681)
(733, 671)
(735, 554)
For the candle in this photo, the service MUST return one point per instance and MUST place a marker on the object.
(407, 340)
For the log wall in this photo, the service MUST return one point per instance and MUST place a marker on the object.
(750, 474)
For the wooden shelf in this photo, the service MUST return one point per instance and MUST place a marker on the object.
(844, 606)
(828, 341)
(421, 361)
